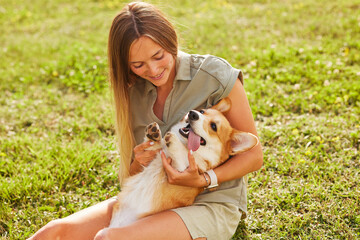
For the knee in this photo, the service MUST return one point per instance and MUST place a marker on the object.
(114, 233)
(51, 230)
(56, 227)
(103, 234)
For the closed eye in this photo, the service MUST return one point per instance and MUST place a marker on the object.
(161, 57)
(138, 66)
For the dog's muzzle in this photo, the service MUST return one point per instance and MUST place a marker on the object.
(194, 140)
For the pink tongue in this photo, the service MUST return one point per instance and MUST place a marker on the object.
(193, 141)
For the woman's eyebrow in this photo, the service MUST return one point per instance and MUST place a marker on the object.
(151, 56)
(157, 52)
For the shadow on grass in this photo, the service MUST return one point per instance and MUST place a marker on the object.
(241, 231)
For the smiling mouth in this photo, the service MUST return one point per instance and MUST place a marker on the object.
(158, 76)
(185, 133)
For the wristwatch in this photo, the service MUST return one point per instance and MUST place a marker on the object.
(213, 180)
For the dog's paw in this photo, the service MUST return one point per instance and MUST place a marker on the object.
(152, 132)
(169, 136)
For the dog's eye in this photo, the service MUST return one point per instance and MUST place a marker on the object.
(202, 111)
(213, 126)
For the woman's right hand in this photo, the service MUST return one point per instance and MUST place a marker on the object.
(142, 156)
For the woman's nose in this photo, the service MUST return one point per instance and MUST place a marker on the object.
(152, 68)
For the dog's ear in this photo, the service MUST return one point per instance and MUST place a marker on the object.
(242, 141)
(223, 106)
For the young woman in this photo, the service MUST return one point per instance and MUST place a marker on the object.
(153, 81)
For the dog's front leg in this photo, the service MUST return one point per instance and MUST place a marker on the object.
(177, 151)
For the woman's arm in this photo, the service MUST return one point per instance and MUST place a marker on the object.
(240, 117)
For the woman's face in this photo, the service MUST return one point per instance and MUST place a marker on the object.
(150, 61)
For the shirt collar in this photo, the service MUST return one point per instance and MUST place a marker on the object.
(182, 71)
(182, 66)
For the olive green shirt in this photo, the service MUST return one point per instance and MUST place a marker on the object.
(201, 81)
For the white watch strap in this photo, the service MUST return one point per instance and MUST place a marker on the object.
(213, 179)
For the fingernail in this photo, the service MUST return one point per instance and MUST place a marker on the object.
(151, 143)
(191, 151)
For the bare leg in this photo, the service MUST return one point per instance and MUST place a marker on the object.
(87, 222)
(161, 226)
(81, 225)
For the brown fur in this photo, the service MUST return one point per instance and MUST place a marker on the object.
(170, 196)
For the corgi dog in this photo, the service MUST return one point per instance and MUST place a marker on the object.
(211, 138)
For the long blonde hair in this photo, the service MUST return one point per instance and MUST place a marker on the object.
(135, 20)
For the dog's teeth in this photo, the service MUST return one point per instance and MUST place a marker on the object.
(185, 129)
(184, 132)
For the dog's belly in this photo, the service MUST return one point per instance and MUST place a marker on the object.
(147, 193)
(137, 197)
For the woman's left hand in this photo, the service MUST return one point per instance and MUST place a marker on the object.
(190, 177)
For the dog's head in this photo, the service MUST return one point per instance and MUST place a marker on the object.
(208, 133)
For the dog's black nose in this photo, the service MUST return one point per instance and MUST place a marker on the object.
(193, 116)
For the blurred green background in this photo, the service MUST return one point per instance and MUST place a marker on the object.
(301, 61)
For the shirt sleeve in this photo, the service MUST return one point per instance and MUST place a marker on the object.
(225, 76)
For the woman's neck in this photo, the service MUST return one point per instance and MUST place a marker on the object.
(162, 94)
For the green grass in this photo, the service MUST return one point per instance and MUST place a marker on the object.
(301, 61)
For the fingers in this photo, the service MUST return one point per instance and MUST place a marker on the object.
(167, 164)
(173, 176)
(190, 177)
(143, 146)
(192, 163)
(145, 157)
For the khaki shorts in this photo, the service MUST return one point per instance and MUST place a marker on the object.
(213, 221)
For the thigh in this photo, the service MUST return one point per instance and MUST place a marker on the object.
(161, 226)
(87, 222)
(213, 221)
(80, 225)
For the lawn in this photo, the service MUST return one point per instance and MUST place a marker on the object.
(301, 61)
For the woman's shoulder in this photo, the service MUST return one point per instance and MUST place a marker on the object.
(213, 67)
(205, 61)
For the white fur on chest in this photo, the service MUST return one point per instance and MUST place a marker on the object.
(139, 199)
(149, 192)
